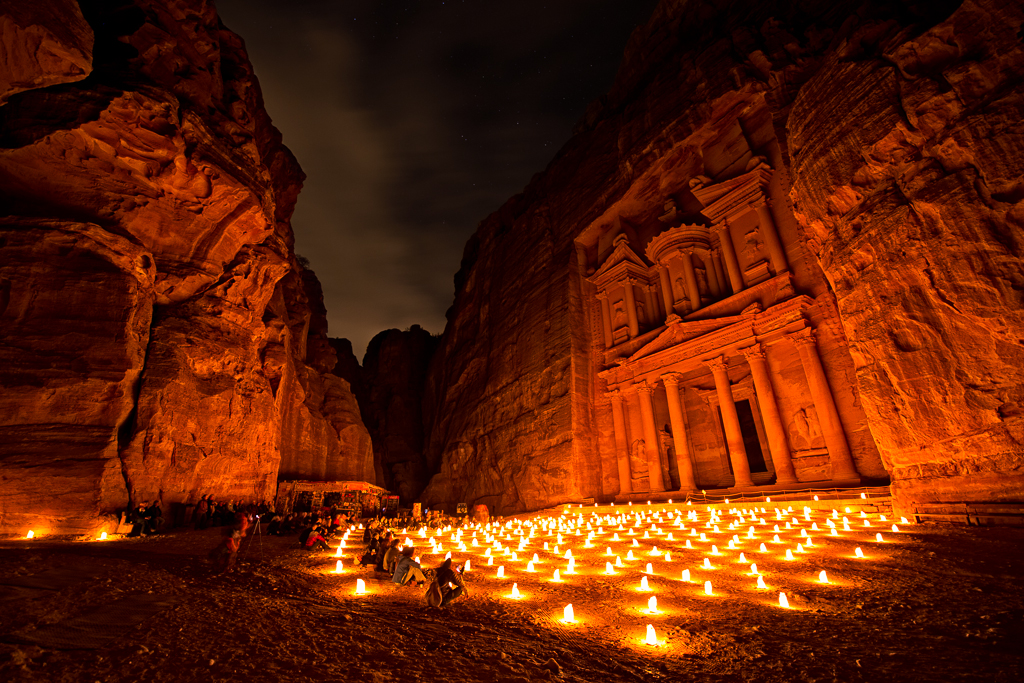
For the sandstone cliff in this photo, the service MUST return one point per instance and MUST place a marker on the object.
(391, 397)
(894, 130)
(159, 339)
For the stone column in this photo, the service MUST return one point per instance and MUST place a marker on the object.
(684, 461)
(621, 442)
(729, 255)
(709, 268)
(828, 417)
(692, 292)
(733, 434)
(606, 319)
(651, 436)
(666, 289)
(716, 262)
(652, 306)
(634, 326)
(774, 430)
(770, 235)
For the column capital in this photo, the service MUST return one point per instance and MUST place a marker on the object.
(671, 379)
(629, 280)
(718, 364)
(602, 294)
(755, 352)
(644, 388)
(804, 337)
(615, 395)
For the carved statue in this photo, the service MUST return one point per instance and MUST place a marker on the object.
(752, 247)
(638, 459)
(804, 432)
(619, 315)
(702, 281)
(665, 437)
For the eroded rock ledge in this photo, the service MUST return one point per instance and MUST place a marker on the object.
(158, 337)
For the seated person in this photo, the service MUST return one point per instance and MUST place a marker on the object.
(407, 569)
(392, 555)
(450, 581)
(315, 540)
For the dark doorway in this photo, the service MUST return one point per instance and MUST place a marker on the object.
(755, 457)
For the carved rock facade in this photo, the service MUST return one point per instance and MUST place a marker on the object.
(159, 339)
(785, 248)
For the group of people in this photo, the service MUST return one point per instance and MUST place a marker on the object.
(145, 520)
(386, 553)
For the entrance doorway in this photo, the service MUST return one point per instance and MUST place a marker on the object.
(751, 442)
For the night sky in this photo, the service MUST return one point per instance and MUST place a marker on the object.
(413, 121)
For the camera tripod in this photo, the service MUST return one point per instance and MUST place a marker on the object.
(254, 531)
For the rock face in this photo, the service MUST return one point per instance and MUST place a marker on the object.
(888, 144)
(394, 373)
(159, 338)
(908, 167)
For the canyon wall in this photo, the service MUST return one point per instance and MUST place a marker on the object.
(893, 140)
(158, 337)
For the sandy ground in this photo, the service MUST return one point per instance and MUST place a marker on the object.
(929, 604)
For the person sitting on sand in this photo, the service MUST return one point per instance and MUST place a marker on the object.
(392, 555)
(450, 581)
(407, 569)
(315, 540)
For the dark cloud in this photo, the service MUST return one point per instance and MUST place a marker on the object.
(413, 121)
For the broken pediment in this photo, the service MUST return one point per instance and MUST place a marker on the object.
(621, 262)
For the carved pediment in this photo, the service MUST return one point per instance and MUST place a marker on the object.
(681, 332)
(726, 199)
(621, 262)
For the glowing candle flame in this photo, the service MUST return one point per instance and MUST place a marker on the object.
(635, 544)
(490, 561)
(783, 601)
(608, 569)
(707, 588)
(763, 548)
(688, 544)
(30, 534)
(536, 559)
(338, 554)
(568, 554)
(466, 568)
(652, 605)
(103, 535)
(618, 561)
(501, 572)
(743, 559)
(360, 587)
(834, 532)
(337, 567)
(668, 557)
(904, 520)
(568, 615)
(776, 539)
(515, 592)
(760, 583)
(753, 569)
(822, 577)
(686, 575)
(789, 554)
(858, 552)
(707, 563)
(652, 637)
(629, 555)
(529, 566)
(643, 584)
(556, 576)
(448, 555)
